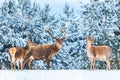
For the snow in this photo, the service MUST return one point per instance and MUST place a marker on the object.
(59, 75)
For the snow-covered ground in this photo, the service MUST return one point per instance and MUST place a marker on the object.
(59, 75)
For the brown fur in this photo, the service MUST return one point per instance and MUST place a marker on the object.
(18, 53)
(98, 53)
(45, 51)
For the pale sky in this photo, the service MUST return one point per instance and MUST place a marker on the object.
(58, 2)
(57, 5)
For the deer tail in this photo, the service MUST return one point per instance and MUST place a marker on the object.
(12, 50)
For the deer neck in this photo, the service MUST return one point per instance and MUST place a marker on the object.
(54, 47)
(89, 46)
(26, 49)
(58, 45)
(90, 51)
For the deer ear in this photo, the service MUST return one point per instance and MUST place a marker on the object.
(92, 37)
(28, 40)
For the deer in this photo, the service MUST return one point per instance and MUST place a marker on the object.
(45, 51)
(97, 53)
(17, 54)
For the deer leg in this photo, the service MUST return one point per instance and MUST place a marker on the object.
(91, 64)
(15, 64)
(29, 62)
(19, 65)
(11, 64)
(48, 63)
(23, 63)
(26, 59)
(108, 65)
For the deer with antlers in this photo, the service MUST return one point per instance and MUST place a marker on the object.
(98, 53)
(17, 54)
(45, 51)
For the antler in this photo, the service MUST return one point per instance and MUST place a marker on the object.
(63, 31)
(47, 29)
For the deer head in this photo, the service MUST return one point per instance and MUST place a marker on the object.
(30, 43)
(90, 41)
(58, 41)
